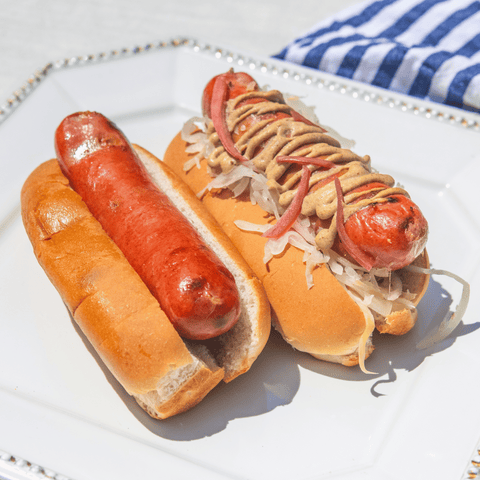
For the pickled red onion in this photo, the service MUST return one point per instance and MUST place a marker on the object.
(360, 256)
(300, 118)
(293, 210)
(219, 98)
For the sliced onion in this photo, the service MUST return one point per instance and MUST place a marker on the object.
(312, 258)
(405, 301)
(394, 287)
(199, 145)
(194, 133)
(226, 180)
(376, 301)
(261, 194)
(369, 328)
(336, 268)
(303, 227)
(352, 273)
(219, 98)
(190, 126)
(240, 186)
(451, 320)
(251, 227)
(192, 162)
(299, 237)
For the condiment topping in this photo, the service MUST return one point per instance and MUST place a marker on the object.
(266, 133)
(263, 137)
(272, 140)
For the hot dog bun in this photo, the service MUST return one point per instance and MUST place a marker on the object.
(116, 311)
(324, 320)
(240, 346)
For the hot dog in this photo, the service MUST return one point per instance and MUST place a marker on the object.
(91, 264)
(281, 174)
(193, 287)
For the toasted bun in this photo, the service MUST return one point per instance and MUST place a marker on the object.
(116, 311)
(402, 320)
(323, 321)
(236, 350)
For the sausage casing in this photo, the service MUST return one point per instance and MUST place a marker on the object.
(192, 285)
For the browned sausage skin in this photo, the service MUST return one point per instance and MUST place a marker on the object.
(192, 285)
(381, 226)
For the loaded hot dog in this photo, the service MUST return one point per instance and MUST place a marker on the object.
(293, 183)
(98, 242)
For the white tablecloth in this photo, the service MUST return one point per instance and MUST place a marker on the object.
(35, 32)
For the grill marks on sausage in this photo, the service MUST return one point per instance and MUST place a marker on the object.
(264, 128)
(191, 284)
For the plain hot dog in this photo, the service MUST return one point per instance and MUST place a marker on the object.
(285, 177)
(107, 297)
(193, 287)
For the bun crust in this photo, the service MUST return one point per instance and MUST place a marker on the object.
(323, 321)
(95, 281)
(116, 311)
(236, 350)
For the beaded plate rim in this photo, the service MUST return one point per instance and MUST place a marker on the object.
(19, 466)
(315, 78)
(362, 92)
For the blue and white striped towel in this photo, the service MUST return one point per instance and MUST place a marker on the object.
(429, 49)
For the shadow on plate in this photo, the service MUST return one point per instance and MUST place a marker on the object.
(393, 353)
(274, 378)
(271, 382)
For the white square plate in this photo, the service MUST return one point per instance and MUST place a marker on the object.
(290, 417)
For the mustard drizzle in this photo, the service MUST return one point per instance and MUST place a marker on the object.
(287, 136)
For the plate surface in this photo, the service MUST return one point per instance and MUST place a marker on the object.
(290, 416)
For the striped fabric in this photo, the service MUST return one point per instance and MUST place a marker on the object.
(429, 49)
